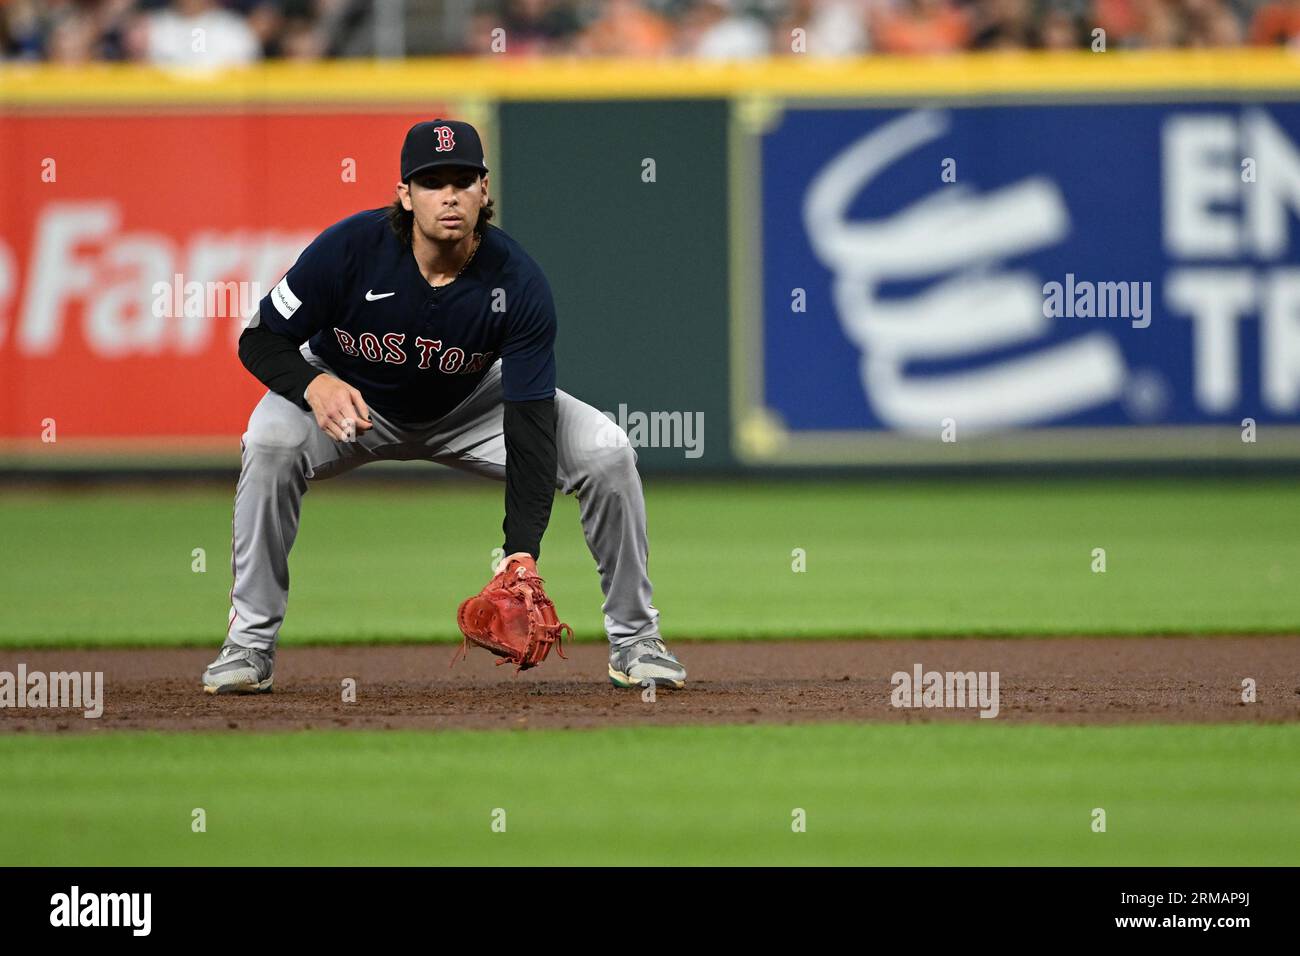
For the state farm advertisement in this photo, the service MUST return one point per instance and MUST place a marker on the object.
(134, 247)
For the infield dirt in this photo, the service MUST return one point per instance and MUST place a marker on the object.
(1055, 680)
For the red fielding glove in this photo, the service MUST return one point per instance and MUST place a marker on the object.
(512, 617)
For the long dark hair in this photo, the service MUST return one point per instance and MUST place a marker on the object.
(403, 221)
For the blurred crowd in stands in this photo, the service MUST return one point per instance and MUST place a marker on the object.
(243, 31)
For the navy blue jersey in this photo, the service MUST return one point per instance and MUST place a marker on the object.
(414, 353)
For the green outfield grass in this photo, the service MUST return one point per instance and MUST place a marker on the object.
(920, 558)
(872, 794)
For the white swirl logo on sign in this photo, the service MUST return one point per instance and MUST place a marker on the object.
(958, 236)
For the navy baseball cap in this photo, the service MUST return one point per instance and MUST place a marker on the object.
(441, 142)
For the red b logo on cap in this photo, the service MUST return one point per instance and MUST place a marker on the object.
(446, 139)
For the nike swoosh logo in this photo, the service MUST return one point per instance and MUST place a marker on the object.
(371, 297)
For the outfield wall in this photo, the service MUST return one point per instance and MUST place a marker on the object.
(767, 265)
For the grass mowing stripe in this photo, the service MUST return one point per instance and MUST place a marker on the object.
(881, 559)
(873, 794)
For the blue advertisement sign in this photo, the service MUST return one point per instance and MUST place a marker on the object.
(1019, 282)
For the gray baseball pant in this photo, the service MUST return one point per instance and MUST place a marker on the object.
(284, 449)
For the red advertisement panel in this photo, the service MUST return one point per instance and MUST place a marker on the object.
(133, 248)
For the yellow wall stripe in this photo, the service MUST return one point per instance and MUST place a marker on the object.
(415, 81)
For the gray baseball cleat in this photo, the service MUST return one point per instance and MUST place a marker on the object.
(240, 670)
(631, 665)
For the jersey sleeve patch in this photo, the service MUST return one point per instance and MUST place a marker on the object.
(285, 302)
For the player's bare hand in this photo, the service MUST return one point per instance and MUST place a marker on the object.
(523, 557)
(340, 410)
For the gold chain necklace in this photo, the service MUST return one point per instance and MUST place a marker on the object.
(478, 240)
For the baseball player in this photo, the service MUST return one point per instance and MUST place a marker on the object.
(422, 331)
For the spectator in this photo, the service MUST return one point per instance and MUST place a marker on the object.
(267, 21)
(831, 28)
(1161, 25)
(922, 26)
(531, 28)
(301, 38)
(113, 19)
(1277, 23)
(1210, 23)
(218, 33)
(1060, 30)
(195, 33)
(23, 32)
(539, 27)
(1120, 19)
(714, 30)
(73, 38)
(626, 29)
(480, 39)
(1002, 25)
